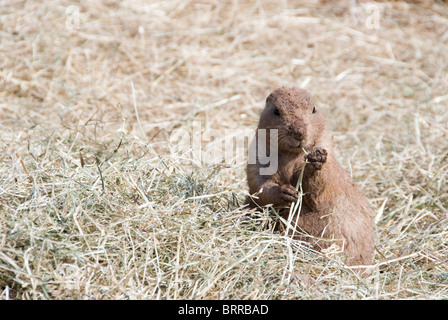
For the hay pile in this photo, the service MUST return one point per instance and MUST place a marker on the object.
(96, 203)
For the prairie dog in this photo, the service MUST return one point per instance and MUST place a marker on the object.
(334, 209)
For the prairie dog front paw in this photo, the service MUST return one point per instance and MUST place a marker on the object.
(317, 157)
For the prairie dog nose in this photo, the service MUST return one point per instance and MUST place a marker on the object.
(297, 130)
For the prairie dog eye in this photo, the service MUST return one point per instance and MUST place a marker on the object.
(276, 112)
(314, 109)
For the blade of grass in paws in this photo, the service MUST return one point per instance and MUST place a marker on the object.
(296, 207)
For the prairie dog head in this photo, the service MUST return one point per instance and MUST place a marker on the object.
(293, 113)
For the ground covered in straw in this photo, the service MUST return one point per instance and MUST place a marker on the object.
(97, 202)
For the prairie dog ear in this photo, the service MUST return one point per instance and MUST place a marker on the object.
(270, 100)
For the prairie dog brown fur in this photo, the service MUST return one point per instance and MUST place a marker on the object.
(334, 209)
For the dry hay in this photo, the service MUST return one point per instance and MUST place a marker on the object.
(96, 204)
